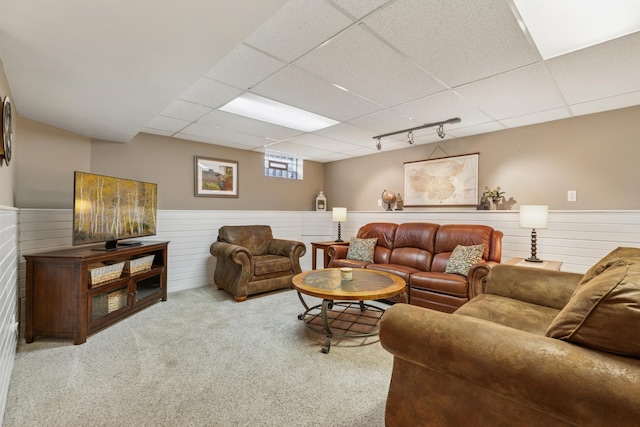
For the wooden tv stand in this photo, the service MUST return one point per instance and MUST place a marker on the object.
(62, 302)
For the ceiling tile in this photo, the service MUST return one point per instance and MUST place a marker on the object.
(210, 93)
(475, 130)
(359, 8)
(297, 87)
(361, 63)
(242, 124)
(216, 133)
(167, 123)
(515, 93)
(458, 41)
(185, 110)
(384, 121)
(157, 132)
(298, 27)
(321, 142)
(244, 66)
(214, 141)
(606, 104)
(348, 133)
(601, 71)
(442, 106)
(539, 117)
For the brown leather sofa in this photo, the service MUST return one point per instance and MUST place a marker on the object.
(539, 348)
(251, 261)
(419, 252)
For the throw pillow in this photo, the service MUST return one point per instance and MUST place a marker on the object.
(603, 313)
(618, 256)
(463, 257)
(362, 249)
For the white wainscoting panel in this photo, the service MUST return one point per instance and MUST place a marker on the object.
(8, 298)
(576, 238)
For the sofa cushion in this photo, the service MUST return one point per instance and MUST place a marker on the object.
(510, 312)
(463, 257)
(362, 249)
(268, 264)
(603, 312)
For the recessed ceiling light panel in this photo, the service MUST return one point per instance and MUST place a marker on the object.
(270, 111)
(559, 27)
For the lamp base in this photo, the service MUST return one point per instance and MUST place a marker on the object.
(533, 259)
(339, 240)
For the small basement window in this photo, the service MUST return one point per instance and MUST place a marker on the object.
(282, 165)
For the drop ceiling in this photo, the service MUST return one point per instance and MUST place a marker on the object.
(110, 70)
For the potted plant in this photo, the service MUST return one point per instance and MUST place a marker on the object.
(493, 197)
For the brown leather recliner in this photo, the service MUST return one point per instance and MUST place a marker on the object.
(251, 261)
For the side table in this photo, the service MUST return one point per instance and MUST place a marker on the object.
(547, 265)
(323, 247)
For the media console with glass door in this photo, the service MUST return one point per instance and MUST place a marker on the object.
(76, 292)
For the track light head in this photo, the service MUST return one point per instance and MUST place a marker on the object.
(410, 137)
(379, 145)
(440, 131)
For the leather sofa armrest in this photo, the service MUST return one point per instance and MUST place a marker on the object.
(337, 252)
(288, 248)
(477, 277)
(291, 249)
(236, 254)
(549, 375)
(549, 288)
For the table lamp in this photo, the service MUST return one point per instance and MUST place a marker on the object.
(339, 214)
(533, 216)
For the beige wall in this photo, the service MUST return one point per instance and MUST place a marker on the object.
(595, 155)
(8, 173)
(169, 162)
(46, 158)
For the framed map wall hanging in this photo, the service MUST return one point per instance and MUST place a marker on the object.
(449, 181)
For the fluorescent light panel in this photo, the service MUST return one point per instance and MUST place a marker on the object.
(277, 113)
(562, 26)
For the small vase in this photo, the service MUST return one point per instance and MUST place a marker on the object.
(492, 205)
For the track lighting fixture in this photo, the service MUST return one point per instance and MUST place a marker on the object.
(438, 125)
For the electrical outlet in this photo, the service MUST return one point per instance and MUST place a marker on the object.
(379, 202)
(571, 196)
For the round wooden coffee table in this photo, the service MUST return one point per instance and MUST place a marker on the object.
(345, 318)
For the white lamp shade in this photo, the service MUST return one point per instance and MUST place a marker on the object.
(339, 214)
(534, 216)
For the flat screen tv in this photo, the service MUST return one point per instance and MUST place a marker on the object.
(108, 209)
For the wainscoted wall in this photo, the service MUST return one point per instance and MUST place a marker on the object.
(577, 238)
(8, 280)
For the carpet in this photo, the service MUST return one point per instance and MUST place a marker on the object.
(202, 359)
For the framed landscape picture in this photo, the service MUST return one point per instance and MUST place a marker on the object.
(216, 177)
(449, 181)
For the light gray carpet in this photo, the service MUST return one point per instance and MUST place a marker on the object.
(202, 359)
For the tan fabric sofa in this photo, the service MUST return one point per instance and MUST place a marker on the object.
(539, 348)
(419, 252)
(251, 261)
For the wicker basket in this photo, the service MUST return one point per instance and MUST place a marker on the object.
(105, 273)
(139, 264)
(106, 303)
